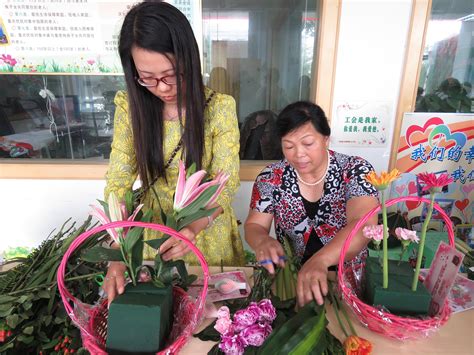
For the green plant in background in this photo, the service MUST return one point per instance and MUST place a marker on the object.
(449, 97)
(16, 252)
(31, 310)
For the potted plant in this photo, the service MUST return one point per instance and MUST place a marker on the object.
(147, 302)
(401, 293)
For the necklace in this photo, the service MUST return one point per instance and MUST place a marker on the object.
(316, 182)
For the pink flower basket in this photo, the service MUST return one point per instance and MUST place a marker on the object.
(92, 319)
(350, 280)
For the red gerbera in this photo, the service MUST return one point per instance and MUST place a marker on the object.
(433, 182)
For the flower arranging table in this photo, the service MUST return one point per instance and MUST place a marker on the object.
(455, 337)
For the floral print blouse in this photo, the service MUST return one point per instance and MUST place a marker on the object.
(277, 192)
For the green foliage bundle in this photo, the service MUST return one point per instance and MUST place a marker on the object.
(30, 305)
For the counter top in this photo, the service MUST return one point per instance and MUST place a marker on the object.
(455, 337)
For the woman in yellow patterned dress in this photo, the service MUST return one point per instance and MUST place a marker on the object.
(166, 115)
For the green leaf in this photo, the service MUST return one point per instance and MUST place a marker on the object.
(209, 333)
(47, 319)
(191, 170)
(195, 216)
(51, 344)
(171, 222)
(7, 299)
(43, 294)
(98, 254)
(147, 216)
(133, 235)
(166, 275)
(308, 337)
(23, 299)
(52, 299)
(105, 207)
(25, 339)
(27, 305)
(158, 283)
(199, 203)
(59, 320)
(181, 268)
(129, 202)
(280, 337)
(13, 320)
(7, 346)
(6, 310)
(28, 330)
(137, 255)
(156, 243)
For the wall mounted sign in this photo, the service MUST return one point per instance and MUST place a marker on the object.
(361, 124)
(67, 36)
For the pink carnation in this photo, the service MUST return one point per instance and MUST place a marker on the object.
(232, 344)
(256, 334)
(224, 326)
(406, 234)
(373, 232)
(268, 313)
(223, 312)
(246, 317)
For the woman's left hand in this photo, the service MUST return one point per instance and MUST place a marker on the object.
(312, 282)
(174, 248)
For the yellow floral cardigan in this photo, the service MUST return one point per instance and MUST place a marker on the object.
(221, 241)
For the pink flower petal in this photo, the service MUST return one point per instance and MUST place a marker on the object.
(222, 181)
(180, 185)
(103, 219)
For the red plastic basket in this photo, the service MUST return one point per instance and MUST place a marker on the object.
(92, 319)
(375, 319)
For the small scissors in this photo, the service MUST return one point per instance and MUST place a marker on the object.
(100, 278)
(269, 261)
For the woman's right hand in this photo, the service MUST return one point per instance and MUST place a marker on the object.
(269, 251)
(114, 282)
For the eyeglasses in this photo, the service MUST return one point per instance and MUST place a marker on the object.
(154, 82)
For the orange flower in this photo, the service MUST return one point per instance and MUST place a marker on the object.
(355, 345)
(381, 182)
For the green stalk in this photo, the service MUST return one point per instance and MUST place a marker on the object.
(422, 243)
(385, 241)
(128, 262)
(335, 306)
(53, 283)
(346, 316)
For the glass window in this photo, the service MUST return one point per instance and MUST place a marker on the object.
(261, 53)
(447, 72)
(57, 116)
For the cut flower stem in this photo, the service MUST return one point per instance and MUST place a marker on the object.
(422, 243)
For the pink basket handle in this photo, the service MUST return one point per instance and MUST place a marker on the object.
(66, 295)
(388, 203)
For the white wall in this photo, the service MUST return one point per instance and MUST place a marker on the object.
(369, 65)
(370, 56)
(31, 209)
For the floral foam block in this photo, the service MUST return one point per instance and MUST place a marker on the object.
(398, 298)
(140, 320)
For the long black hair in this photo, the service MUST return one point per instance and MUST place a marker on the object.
(162, 28)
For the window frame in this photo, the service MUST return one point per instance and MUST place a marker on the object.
(325, 55)
(420, 18)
